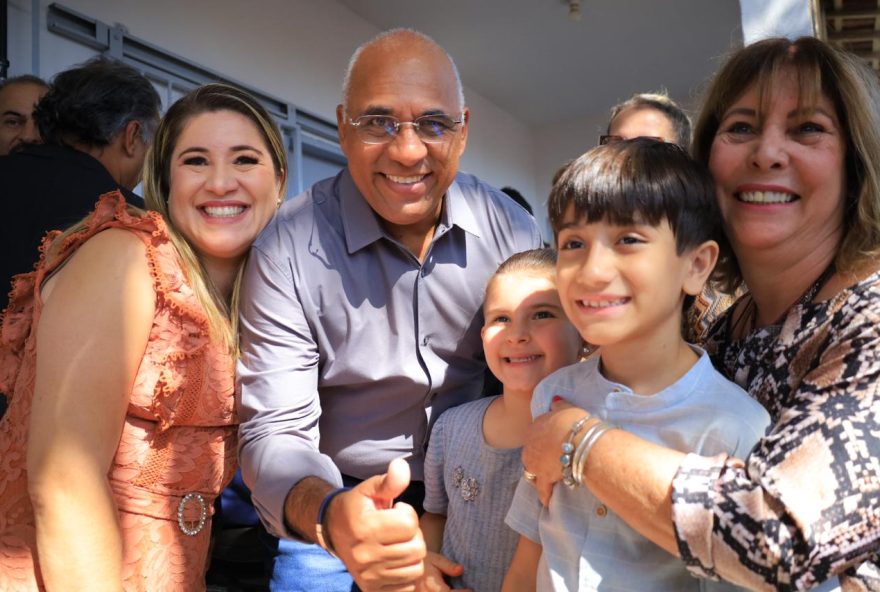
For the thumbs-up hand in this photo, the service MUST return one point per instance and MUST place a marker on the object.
(379, 541)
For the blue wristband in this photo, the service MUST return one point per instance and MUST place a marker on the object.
(321, 534)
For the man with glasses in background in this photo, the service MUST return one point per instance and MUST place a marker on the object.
(649, 115)
(360, 323)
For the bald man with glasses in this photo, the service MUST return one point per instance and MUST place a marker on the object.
(361, 317)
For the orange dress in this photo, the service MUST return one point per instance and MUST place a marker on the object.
(179, 436)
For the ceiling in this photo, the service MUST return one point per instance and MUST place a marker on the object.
(529, 58)
(853, 25)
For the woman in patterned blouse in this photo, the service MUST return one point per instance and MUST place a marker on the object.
(790, 131)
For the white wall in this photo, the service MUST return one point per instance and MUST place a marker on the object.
(775, 18)
(296, 50)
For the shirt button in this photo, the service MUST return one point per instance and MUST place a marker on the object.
(425, 340)
(601, 511)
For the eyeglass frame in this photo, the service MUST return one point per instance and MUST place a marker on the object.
(355, 123)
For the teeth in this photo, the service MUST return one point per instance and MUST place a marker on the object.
(769, 197)
(407, 180)
(603, 303)
(522, 360)
(223, 211)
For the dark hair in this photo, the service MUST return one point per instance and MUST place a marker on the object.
(93, 102)
(518, 197)
(681, 123)
(23, 79)
(640, 180)
(851, 86)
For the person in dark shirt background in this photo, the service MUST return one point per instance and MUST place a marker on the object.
(96, 123)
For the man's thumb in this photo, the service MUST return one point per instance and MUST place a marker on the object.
(390, 485)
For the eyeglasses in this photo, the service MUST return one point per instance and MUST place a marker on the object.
(608, 139)
(382, 129)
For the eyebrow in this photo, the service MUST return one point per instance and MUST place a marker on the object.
(536, 306)
(568, 225)
(15, 113)
(748, 111)
(202, 150)
(382, 110)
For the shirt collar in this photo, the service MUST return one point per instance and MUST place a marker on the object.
(361, 224)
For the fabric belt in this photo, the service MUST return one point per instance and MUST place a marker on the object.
(164, 506)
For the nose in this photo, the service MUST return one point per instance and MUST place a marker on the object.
(406, 147)
(598, 266)
(770, 150)
(221, 180)
(517, 332)
(30, 133)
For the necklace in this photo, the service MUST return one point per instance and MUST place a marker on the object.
(745, 323)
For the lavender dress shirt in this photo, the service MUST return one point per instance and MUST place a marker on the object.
(350, 346)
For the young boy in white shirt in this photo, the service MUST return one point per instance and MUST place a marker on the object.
(635, 223)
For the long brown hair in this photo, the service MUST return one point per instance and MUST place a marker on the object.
(819, 70)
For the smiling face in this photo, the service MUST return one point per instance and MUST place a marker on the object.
(404, 181)
(780, 178)
(624, 284)
(17, 125)
(526, 335)
(223, 186)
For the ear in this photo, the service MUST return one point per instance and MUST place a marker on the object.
(282, 177)
(131, 135)
(340, 123)
(700, 263)
(464, 130)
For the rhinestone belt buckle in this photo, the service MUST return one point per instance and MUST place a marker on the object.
(188, 528)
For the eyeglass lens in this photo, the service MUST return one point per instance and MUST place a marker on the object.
(379, 129)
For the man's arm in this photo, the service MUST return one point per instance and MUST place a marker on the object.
(380, 543)
(278, 381)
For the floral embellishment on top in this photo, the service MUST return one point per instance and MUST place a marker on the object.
(469, 487)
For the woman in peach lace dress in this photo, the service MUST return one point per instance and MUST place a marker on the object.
(117, 354)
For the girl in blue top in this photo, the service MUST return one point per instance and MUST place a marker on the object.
(473, 461)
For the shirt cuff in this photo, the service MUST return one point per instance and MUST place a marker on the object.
(274, 481)
(693, 511)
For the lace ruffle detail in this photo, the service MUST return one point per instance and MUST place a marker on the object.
(179, 434)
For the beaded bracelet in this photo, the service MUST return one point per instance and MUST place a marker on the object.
(568, 448)
(323, 538)
(596, 431)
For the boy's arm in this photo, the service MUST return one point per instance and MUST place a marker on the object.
(522, 574)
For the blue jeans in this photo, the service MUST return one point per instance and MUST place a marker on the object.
(301, 567)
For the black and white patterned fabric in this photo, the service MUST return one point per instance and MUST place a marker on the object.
(805, 504)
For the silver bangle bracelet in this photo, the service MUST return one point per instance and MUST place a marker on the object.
(568, 449)
(579, 452)
(602, 428)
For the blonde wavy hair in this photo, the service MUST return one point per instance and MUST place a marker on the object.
(820, 70)
(222, 316)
